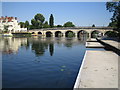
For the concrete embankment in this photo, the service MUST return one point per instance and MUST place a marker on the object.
(98, 70)
(111, 45)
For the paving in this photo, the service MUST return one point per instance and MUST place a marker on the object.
(92, 39)
(99, 70)
(94, 45)
(112, 43)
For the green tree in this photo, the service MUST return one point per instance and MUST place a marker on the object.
(112, 24)
(27, 24)
(45, 25)
(38, 21)
(115, 8)
(39, 17)
(35, 24)
(71, 34)
(22, 24)
(51, 21)
(59, 25)
(93, 25)
(68, 24)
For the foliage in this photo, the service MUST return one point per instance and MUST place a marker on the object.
(37, 22)
(51, 21)
(112, 24)
(39, 17)
(45, 25)
(68, 24)
(32, 27)
(94, 34)
(115, 8)
(71, 34)
(27, 24)
(111, 34)
(93, 25)
(22, 24)
(59, 25)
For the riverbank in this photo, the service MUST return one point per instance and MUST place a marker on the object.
(99, 70)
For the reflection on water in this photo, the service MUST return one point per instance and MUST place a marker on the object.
(41, 62)
(9, 45)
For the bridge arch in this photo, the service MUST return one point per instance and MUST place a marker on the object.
(96, 33)
(49, 34)
(39, 33)
(58, 34)
(33, 33)
(111, 33)
(69, 33)
(82, 33)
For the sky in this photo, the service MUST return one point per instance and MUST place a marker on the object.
(80, 13)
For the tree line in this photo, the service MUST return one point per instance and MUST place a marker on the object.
(39, 22)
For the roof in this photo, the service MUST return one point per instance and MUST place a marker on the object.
(7, 18)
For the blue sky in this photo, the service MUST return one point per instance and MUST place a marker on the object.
(80, 13)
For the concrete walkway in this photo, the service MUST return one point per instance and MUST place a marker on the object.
(99, 70)
(94, 45)
(112, 43)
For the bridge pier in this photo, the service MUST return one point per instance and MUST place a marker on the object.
(53, 34)
(89, 36)
(76, 35)
(63, 35)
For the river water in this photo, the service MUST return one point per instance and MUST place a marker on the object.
(41, 62)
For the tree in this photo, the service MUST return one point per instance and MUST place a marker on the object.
(93, 25)
(71, 34)
(38, 21)
(45, 25)
(112, 24)
(35, 24)
(22, 24)
(27, 24)
(59, 25)
(39, 17)
(115, 8)
(51, 21)
(68, 24)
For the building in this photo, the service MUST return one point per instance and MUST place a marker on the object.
(10, 24)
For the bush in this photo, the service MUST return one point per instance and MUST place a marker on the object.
(111, 34)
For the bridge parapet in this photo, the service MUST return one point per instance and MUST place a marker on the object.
(75, 30)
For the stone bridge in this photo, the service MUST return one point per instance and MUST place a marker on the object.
(55, 32)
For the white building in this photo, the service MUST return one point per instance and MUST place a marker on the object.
(11, 24)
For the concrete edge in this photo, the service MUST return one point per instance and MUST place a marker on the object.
(78, 76)
(108, 46)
